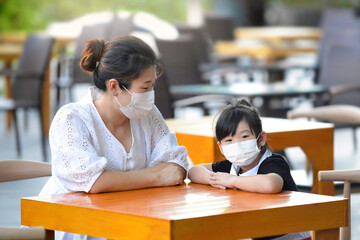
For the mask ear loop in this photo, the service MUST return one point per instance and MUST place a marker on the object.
(257, 140)
(117, 99)
(127, 90)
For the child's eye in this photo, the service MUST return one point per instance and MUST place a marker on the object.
(245, 136)
(228, 140)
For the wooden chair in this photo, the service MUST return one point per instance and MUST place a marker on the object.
(12, 170)
(346, 176)
(344, 114)
(27, 82)
(332, 113)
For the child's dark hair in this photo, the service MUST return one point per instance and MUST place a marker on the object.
(123, 58)
(233, 114)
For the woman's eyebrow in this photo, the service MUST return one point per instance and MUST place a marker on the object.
(147, 82)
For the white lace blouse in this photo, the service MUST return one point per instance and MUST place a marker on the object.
(82, 147)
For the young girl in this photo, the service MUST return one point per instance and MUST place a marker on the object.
(250, 164)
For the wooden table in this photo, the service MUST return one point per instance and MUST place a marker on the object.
(186, 212)
(278, 33)
(315, 139)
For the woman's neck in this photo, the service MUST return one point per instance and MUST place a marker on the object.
(110, 114)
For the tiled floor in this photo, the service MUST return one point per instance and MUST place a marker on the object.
(346, 156)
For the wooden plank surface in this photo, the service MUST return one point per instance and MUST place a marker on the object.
(185, 212)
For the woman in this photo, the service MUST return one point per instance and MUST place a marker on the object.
(114, 138)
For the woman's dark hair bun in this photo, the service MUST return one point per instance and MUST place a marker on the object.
(92, 54)
(243, 102)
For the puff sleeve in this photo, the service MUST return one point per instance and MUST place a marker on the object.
(164, 146)
(75, 162)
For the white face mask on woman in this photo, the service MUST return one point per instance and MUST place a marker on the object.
(242, 153)
(140, 105)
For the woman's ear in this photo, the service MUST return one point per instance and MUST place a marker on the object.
(113, 86)
(262, 139)
(219, 145)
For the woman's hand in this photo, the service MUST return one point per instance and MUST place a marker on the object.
(221, 180)
(170, 174)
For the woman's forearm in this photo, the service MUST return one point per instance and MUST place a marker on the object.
(164, 174)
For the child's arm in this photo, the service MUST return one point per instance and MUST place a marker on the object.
(262, 183)
(200, 173)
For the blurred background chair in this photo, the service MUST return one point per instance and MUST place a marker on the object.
(201, 42)
(166, 103)
(333, 113)
(119, 26)
(346, 176)
(340, 72)
(12, 170)
(179, 60)
(338, 114)
(181, 67)
(72, 73)
(219, 27)
(27, 82)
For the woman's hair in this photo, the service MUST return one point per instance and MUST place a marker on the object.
(233, 114)
(122, 58)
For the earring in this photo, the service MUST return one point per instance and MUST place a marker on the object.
(115, 93)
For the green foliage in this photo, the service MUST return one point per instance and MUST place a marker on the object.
(33, 15)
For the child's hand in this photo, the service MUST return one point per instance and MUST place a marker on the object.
(221, 180)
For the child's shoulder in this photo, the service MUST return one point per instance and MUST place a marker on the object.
(275, 159)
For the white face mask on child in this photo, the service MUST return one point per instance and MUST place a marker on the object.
(242, 153)
(140, 105)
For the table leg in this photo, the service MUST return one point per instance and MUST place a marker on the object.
(320, 151)
(326, 234)
(49, 234)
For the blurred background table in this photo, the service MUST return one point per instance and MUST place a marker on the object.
(266, 91)
(266, 52)
(278, 33)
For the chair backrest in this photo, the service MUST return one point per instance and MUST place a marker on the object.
(340, 66)
(337, 26)
(88, 33)
(163, 99)
(347, 114)
(334, 18)
(179, 60)
(346, 176)
(201, 41)
(31, 71)
(11, 170)
(119, 27)
(219, 27)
